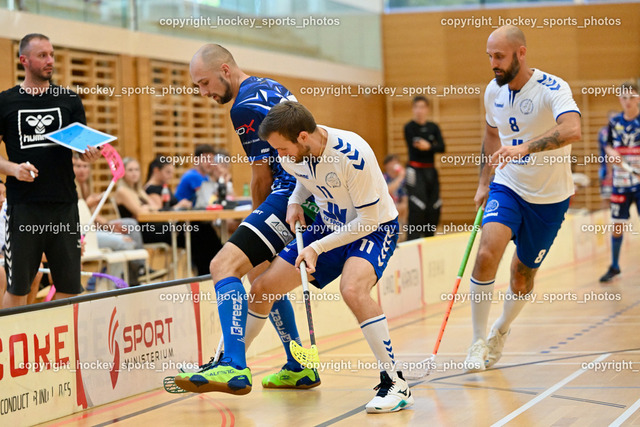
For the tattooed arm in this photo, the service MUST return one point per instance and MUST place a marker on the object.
(565, 132)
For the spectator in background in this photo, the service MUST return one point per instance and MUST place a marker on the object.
(159, 176)
(117, 235)
(221, 175)
(395, 174)
(423, 187)
(113, 234)
(132, 200)
(205, 242)
(191, 184)
(623, 150)
(604, 172)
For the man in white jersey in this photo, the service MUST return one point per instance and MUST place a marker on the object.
(354, 234)
(531, 121)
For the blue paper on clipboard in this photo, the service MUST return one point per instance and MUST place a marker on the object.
(78, 137)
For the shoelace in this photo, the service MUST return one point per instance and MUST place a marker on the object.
(212, 363)
(383, 388)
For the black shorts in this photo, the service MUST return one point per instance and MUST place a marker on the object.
(34, 229)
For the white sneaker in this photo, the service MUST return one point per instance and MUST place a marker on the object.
(476, 359)
(495, 343)
(393, 395)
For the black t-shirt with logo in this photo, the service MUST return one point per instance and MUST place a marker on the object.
(24, 120)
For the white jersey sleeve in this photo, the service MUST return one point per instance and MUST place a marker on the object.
(365, 191)
(489, 96)
(299, 195)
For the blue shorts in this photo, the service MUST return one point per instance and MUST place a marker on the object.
(265, 231)
(533, 226)
(376, 248)
(621, 203)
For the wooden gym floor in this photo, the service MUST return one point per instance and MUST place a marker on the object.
(566, 363)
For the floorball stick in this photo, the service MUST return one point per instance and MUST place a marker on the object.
(307, 357)
(120, 283)
(425, 367)
(117, 171)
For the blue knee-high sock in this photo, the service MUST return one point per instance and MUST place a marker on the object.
(232, 310)
(616, 243)
(284, 320)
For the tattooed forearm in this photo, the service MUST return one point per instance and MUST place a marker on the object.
(546, 143)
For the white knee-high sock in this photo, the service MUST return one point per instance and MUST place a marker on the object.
(376, 332)
(513, 305)
(255, 322)
(481, 294)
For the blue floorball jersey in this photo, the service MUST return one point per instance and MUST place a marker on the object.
(255, 98)
(624, 137)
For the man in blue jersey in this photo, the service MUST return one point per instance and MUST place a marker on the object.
(531, 121)
(258, 238)
(605, 170)
(623, 147)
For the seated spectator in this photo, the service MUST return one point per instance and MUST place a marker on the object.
(221, 174)
(132, 200)
(159, 175)
(116, 235)
(394, 174)
(121, 237)
(191, 184)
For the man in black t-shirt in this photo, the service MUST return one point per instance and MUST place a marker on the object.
(423, 188)
(42, 209)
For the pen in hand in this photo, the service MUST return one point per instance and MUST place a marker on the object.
(33, 175)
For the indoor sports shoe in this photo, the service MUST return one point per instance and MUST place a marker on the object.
(222, 377)
(495, 343)
(477, 357)
(610, 274)
(393, 395)
(289, 378)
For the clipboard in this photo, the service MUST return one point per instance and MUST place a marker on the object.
(78, 137)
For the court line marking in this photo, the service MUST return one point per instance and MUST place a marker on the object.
(626, 414)
(420, 319)
(97, 410)
(548, 392)
(534, 393)
(535, 362)
(143, 411)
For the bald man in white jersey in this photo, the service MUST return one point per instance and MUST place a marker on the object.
(531, 121)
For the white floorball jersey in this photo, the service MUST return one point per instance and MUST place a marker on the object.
(344, 179)
(520, 116)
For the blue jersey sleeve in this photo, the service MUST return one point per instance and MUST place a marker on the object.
(246, 122)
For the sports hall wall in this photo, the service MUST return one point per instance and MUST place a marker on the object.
(425, 49)
(147, 110)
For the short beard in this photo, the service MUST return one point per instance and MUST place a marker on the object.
(228, 95)
(510, 73)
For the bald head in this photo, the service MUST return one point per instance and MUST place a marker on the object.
(215, 72)
(212, 56)
(509, 34)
